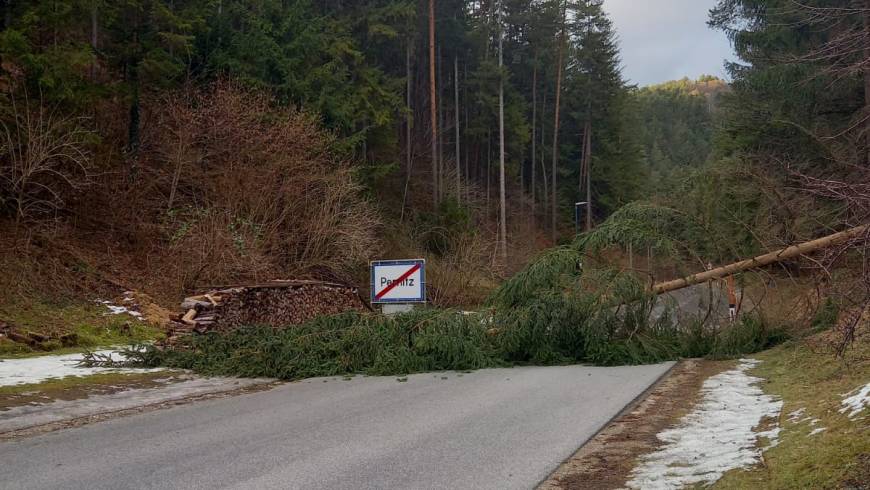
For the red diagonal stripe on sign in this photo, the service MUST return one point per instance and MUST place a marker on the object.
(398, 281)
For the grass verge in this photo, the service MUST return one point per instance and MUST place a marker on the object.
(89, 322)
(68, 387)
(807, 376)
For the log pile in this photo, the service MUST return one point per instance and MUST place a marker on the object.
(278, 304)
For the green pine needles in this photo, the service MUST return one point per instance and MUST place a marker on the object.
(556, 311)
(607, 328)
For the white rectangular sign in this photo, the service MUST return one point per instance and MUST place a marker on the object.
(399, 281)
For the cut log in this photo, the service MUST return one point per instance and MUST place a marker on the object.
(37, 337)
(188, 317)
(763, 260)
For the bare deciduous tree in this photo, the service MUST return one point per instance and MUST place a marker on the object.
(44, 154)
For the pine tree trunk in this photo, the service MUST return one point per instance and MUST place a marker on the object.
(94, 27)
(488, 167)
(94, 38)
(456, 123)
(501, 165)
(7, 14)
(467, 163)
(588, 151)
(409, 117)
(534, 133)
(553, 187)
(433, 104)
(581, 179)
(441, 183)
(867, 81)
(763, 260)
(545, 198)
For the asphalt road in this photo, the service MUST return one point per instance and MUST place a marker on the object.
(499, 429)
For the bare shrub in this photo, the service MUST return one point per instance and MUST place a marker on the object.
(43, 155)
(464, 276)
(250, 190)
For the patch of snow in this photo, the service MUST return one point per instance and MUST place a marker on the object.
(717, 436)
(38, 369)
(120, 310)
(855, 404)
(795, 416)
(818, 431)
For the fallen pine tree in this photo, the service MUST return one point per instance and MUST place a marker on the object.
(553, 312)
(554, 328)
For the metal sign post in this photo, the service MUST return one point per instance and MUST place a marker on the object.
(398, 284)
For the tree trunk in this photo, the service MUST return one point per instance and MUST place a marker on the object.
(553, 187)
(534, 133)
(488, 167)
(7, 14)
(545, 198)
(501, 173)
(867, 81)
(763, 260)
(94, 39)
(433, 104)
(588, 151)
(467, 163)
(94, 27)
(456, 123)
(581, 178)
(409, 117)
(442, 185)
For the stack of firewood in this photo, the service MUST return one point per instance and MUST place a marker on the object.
(276, 304)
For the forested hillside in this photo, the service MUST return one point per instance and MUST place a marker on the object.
(198, 132)
(676, 127)
(167, 144)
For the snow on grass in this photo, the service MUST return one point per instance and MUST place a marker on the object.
(818, 431)
(38, 369)
(717, 436)
(795, 417)
(119, 309)
(856, 401)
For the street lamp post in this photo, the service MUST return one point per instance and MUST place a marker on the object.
(577, 207)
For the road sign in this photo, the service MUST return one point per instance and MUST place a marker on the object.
(399, 281)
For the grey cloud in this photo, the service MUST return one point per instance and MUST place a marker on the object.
(664, 40)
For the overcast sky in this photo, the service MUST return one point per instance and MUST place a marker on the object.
(663, 40)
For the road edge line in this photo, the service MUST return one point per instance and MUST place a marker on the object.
(631, 405)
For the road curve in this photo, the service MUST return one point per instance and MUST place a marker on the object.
(495, 428)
